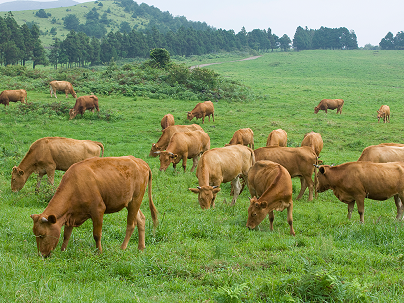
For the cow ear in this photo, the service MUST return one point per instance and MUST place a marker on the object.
(322, 170)
(194, 190)
(264, 204)
(20, 171)
(216, 190)
(52, 219)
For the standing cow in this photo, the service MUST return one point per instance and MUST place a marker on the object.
(313, 140)
(243, 136)
(90, 189)
(277, 137)
(202, 110)
(167, 121)
(326, 104)
(82, 104)
(8, 96)
(52, 153)
(384, 113)
(383, 153)
(63, 86)
(270, 186)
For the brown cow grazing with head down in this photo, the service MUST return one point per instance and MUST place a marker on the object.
(243, 136)
(183, 146)
(354, 181)
(52, 153)
(270, 186)
(90, 189)
(82, 104)
(299, 161)
(165, 137)
(384, 113)
(222, 165)
(202, 110)
(277, 137)
(8, 96)
(383, 153)
(313, 140)
(167, 121)
(329, 104)
(63, 86)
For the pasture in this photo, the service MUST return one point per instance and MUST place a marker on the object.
(210, 256)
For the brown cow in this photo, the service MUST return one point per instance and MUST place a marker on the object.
(167, 121)
(329, 104)
(63, 86)
(8, 96)
(90, 189)
(222, 165)
(52, 153)
(277, 137)
(82, 104)
(165, 137)
(313, 140)
(183, 146)
(383, 153)
(299, 161)
(355, 181)
(383, 112)
(202, 110)
(243, 136)
(272, 184)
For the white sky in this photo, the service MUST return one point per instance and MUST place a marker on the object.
(370, 19)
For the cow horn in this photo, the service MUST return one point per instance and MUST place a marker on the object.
(170, 153)
(44, 220)
(198, 187)
(318, 166)
(157, 152)
(215, 186)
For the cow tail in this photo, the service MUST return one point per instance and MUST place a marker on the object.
(315, 178)
(102, 148)
(153, 209)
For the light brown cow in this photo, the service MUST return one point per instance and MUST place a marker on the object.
(277, 137)
(313, 140)
(354, 181)
(167, 121)
(183, 146)
(270, 186)
(384, 113)
(63, 86)
(383, 153)
(243, 136)
(165, 137)
(8, 96)
(52, 153)
(299, 161)
(202, 110)
(222, 165)
(82, 104)
(329, 104)
(90, 189)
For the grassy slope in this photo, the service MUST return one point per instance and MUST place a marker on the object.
(195, 252)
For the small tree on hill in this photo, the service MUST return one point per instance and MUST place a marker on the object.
(161, 56)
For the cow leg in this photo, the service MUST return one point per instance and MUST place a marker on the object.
(66, 236)
(66, 92)
(97, 230)
(203, 118)
(400, 207)
(360, 203)
(304, 183)
(133, 209)
(184, 162)
(351, 206)
(38, 183)
(194, 162)
(213, 117)
(290, 219)
(271, 218)
(140, 220)
(236, 189)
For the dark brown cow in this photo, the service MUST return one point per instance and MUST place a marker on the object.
(383, 153)
(384, 113)
(277, 137)
(167, 121)
(82, 104)
(183, 146)
(202, 110)
(299, 161)
(354, 181)
(8, 96)
(329, 104)
(314, 141)
(222, 165)
(90, 189)
(272, 184)
(243, 136)
(63, 86)
(165, 137)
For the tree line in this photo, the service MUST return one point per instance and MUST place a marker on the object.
(390, 42)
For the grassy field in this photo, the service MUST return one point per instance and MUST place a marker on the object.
(210, 256)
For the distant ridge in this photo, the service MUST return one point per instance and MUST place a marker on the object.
(32, 5)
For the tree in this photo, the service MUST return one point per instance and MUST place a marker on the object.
(28, 42)
(302, 39)
(38, 54)
(161, 56)
(41, 13)
(54, 54)
(387, 42)
(399, 40)
(285, 42)
(71, 22)
(124, 27)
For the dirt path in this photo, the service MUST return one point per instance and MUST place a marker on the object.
(207, 64)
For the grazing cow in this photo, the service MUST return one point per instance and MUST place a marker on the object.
(82, 104)
(165, 137)
(244, 136)
(277, 137)
(202, 110)
(313, 140)
(8, 96)
(355, 181)
(270, 186)
(383, 153)
(90, 189)
(63, 86)
(52, 153)
(299, 161)
(167, 121)
(222, 165)
(329, 104)
(188, 145)
(384, 113)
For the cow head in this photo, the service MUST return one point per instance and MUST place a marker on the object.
(166, 158)
(154, 151)
(17, 179)
(380, 114)
(323, 183)
(72, 113)
(206, 195)
(74, 93)
(47, 233)
(316, 109)
(257, 211)
(190, 116)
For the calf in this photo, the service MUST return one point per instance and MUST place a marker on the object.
(202, 110)
(64, 86)
(82, 104)
(277, 137)
(384, 113)
(8, 96)
(329, 104)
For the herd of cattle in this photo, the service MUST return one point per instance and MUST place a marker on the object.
(94, 185)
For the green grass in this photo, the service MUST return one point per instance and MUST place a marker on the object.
(209, 256)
